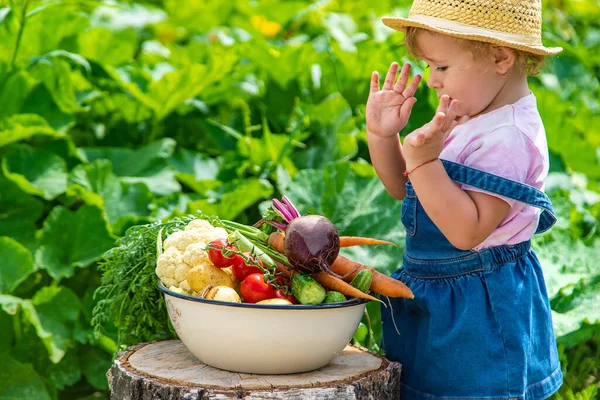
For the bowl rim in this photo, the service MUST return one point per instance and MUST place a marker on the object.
(343, 304)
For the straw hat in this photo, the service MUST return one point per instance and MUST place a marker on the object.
(511, 23)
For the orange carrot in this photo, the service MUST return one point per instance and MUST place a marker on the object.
(276, 241)
(283, 269)
(342, 266)
(381, 283)
(347, 241)
(330, 282)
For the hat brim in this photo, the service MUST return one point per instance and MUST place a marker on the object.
(400, 24)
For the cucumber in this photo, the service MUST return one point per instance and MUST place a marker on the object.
(334, 297)
(362, 280)
(307, 290)
(244, 244)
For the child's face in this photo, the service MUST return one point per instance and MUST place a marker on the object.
(456, 73)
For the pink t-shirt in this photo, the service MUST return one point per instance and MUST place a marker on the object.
(509, 142)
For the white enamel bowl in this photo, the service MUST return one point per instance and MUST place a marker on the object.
(263, 339)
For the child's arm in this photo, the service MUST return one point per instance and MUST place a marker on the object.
(466, 218)
(387, 114)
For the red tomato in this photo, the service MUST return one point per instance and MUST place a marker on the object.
(254, 289)
(216, 254)
(280, 295)
(241, 270)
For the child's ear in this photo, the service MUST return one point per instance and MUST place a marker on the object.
(504, 59)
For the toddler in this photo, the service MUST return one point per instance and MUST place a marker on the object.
(471, 183)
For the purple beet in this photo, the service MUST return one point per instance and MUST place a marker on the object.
(312, 244)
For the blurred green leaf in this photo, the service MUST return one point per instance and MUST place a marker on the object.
(19, 212)
(17, 264)
(22, 127)
(148, 164)
(119, 199)
(336, 134)
(233, 198)
(16, 86)
(36, 171)
(20, 381)
(108, 47)
(86, 232)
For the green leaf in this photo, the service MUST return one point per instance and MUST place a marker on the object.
(13, 305)
(107, 47)
(67, 372)
(173, 89)
(41, 101)
(17, 264)
(20, 381)
(19, 212)
(55, 74)
(119, 199)
(563, 136)
(24, 126)
(148, 164)
(357, 206)
(36, 171)
(15, 88)
(233, 198)
(6, 335)
(176, 87)
(201, 166)
(84, 230)
(44, 32)
(336, 134)
(57, 308)
(94, 364)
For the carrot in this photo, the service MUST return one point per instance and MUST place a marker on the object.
(381, 284)
(342, 266)
(330, 282)
(347, 241)
(284, 270)
(276, 241)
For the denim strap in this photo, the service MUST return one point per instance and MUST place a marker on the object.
(506, 188)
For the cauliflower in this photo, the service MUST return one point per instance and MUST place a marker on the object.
(182, 239)
(170, 266)
(185, 251)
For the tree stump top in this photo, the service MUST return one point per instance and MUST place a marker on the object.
(167, 370)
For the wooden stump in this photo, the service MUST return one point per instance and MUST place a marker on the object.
(167, 370)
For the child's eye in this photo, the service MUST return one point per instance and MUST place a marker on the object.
(441, 69)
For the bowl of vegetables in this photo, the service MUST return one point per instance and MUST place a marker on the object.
(263, 338)
(279, 300)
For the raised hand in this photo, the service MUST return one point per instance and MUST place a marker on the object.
(427, 142)
(388, 109)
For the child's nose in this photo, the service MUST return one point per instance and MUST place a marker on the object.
(433, 82)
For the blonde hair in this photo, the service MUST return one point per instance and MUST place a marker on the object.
(530, 63)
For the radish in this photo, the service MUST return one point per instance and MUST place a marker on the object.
(312, 242)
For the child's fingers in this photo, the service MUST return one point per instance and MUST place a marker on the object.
(435, 127)
(401, 83)
(374, 82)
(416, 140)
(450, 116)
(406, 108)
(412, 87)
(390, 77)
(443, 106)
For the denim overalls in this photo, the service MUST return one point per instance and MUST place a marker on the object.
(480, 323)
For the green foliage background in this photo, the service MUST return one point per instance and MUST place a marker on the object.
(123, 113)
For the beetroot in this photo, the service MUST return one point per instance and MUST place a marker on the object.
(311, 244)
